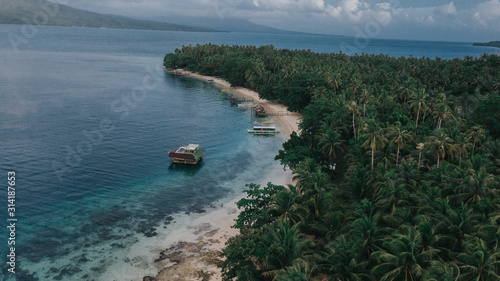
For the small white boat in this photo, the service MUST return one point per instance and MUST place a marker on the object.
(247, 104)
(263, 130)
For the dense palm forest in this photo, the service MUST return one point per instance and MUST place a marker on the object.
(415, 145)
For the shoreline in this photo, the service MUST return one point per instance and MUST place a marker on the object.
(195, 251)
(290, 121)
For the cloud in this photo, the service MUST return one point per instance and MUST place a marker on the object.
(333, 11)
(383, 6)
(488, 14)
(303, 6)
(350, 6)
(346, 16)
(430, 20)
(456, 18)
(448, 9)
(351, 11)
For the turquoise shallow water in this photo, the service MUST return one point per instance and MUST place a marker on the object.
(86, 119)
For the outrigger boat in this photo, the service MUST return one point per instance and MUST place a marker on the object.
(247, 104)
(263, 130)
(191, 154)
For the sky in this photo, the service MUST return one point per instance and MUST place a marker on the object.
(437, 20)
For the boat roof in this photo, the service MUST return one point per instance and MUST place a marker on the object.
(264, 127)
(192, 146)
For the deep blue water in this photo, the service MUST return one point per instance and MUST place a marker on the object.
(86, 119)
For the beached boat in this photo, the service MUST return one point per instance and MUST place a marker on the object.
(263, 130)
(260, 111)
(191, 154)
(236, 99)
(247, 104)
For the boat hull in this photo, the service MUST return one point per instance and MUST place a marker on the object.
(179, 156)
(262, 132)
(186, 161)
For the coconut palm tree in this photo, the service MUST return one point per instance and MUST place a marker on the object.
(457, 223)
(331, 144)
(352, 108)
(374, 138)
(365, 99)
(405, 91)
(301, 270)
(490, 231)
(420, 147)
(286, 205)
(462, 146)
(430, 196)
(476, 133)
(369, 232)
(478, 185)
(391, 193)
(407, 172)
(305, 170)
(441, 111)
(488, 208)
(317, 185)
(356, 185)
(475, 180)
(417, 101)
(430, 236)
(441, 145)
(326, 226)
(442, 271)
(341, 261)
(363, 208)
(399, 137)
(403, 257)
(287, 245)
(384, 156)
(493, 149)
(479, 262)
(403, 216)
(479, 163)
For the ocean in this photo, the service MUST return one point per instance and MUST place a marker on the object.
(87, 117)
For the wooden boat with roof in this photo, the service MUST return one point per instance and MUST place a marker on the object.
(191, 154)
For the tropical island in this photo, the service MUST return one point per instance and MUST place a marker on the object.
(396, 166)
(488, 44)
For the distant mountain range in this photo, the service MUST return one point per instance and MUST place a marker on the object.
(224, 24)
(33, 12)
(489, 44)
